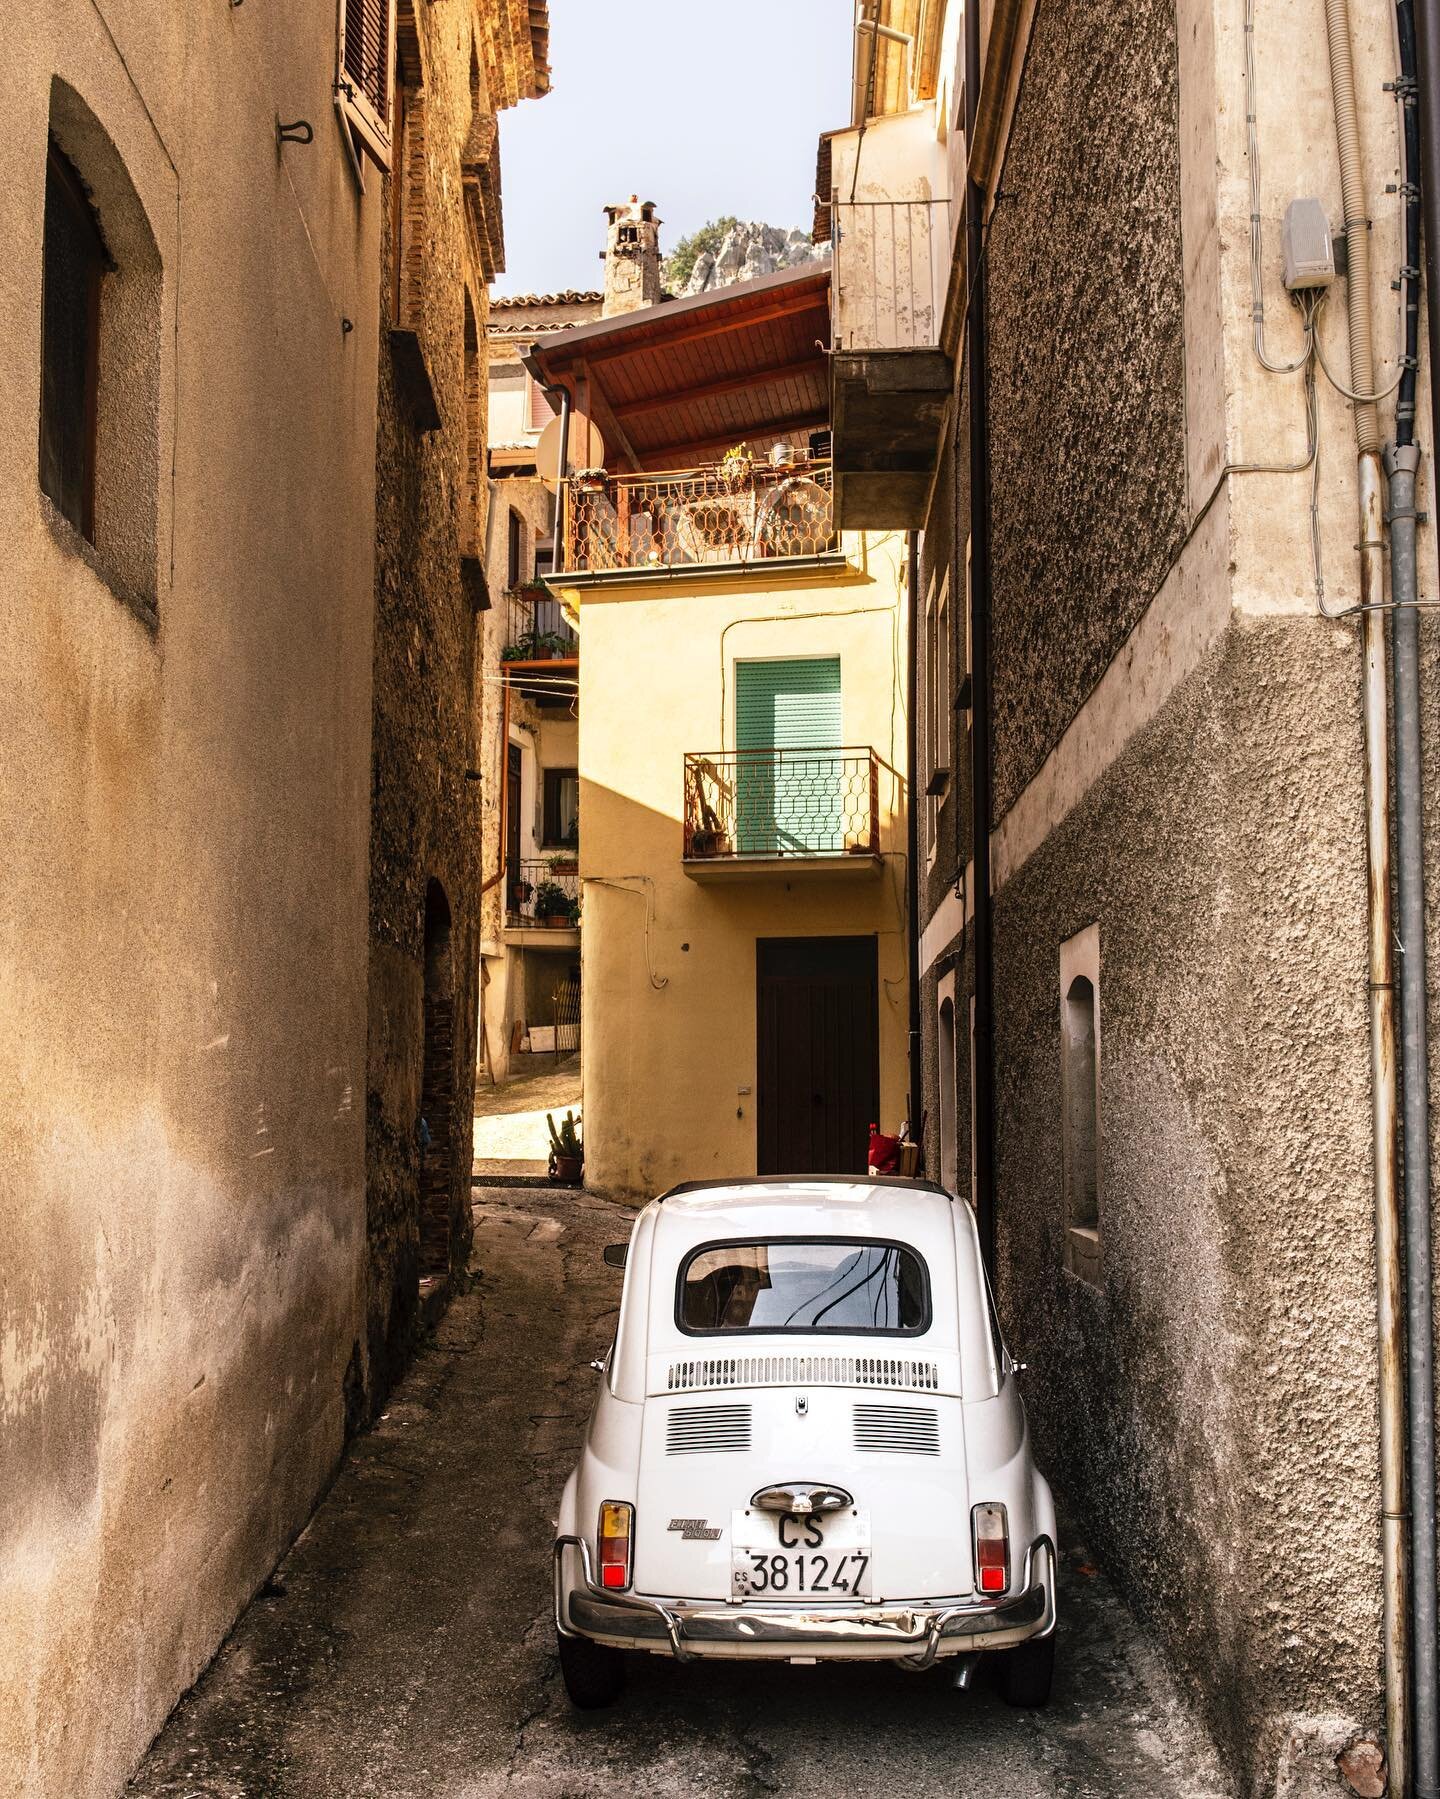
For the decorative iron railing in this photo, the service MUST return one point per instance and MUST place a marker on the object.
(892, 272)
(738, 511)
(543, 891)
(770, 803)
(536, 629)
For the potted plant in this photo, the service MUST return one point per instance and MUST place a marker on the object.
(709, 841)
(589, 480)
(735, 467)
(567, 1153)
(552, 905)
(566, 864)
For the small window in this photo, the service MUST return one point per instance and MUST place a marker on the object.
(1080, 1100)
(562, 808)
(787, 1284)
(74, 266)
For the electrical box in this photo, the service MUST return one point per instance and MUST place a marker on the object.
(1307, 246)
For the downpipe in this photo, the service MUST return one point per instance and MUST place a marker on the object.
(1389, 1300)
(1403, 462)
(1415, 33)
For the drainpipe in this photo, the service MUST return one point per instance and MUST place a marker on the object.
(977, 385)
(1418, 34)
(1389, 1304)
(912, 842)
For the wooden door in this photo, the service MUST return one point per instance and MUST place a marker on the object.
(512, 827)
(818, 1062)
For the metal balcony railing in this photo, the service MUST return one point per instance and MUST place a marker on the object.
(536, 629)
(530, 891)
(892, 272)
(736, 511)
(770, 803)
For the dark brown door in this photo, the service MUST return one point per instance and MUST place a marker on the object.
(512, 826)
(818, 1084)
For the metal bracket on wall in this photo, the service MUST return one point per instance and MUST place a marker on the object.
(299, 131)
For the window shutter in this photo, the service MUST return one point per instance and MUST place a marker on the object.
(540, 413)
(367, 36)
(788, 805)
(788, 705)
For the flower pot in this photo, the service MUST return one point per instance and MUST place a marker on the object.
(556, 921)
(570, 1170)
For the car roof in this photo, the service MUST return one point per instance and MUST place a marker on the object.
(827, 1205)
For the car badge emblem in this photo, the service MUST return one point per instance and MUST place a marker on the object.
(695, 1530)
(802, 1405)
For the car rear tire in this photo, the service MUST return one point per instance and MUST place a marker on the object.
(1026, 1672)
(594, 1673)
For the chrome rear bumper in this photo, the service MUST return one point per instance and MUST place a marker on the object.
(914, 1635)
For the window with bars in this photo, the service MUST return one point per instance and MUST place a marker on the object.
(363, 80)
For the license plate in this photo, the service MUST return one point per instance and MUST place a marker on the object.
(778, 1555)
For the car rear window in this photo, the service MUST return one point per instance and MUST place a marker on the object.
(799, 1284)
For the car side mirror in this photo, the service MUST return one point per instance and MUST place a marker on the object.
(615, 1254)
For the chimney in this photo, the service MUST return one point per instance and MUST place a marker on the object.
(631, 257)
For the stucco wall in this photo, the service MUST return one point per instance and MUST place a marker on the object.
(1087, 397)
(669, 990)
(182, 962)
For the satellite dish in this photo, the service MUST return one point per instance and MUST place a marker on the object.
(586, 449)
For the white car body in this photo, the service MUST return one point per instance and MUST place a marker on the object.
(911, 1428)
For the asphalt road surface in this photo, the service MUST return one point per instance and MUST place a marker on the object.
(404, 1649)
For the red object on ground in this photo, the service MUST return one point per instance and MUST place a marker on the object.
(884, 1155)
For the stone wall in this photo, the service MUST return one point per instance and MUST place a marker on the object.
(430, 590)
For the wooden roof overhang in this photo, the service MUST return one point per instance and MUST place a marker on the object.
(679, 383)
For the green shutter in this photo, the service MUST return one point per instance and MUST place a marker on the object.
(788, 705)
(788, 805)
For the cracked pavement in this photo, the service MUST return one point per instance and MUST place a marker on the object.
(404, 1650)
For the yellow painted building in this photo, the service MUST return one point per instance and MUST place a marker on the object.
(742, 757)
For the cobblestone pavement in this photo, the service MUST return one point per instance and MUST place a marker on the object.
(403, 1650)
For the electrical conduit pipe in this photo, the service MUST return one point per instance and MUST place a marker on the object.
(1389, 1301)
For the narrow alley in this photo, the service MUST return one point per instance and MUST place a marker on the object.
(404, 1650)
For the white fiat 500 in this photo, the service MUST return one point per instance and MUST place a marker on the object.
(807, 1443)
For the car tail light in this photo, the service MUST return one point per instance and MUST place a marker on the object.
(992, 1548)
(617, 1531)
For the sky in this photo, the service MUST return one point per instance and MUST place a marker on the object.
(706, 108)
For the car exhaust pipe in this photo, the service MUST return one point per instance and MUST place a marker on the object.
(964, 1670)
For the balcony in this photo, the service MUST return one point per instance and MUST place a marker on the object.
(541, 650)
(781, 812)
(890, 376)
(736, 512)
(542, 903)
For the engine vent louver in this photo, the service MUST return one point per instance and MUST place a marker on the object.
(804, 1371)
(707, 1429)
(897, 1429)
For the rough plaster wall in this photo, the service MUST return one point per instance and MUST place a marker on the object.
(425, 820)
(1087, 392)
(183, 945)
(1210, 1407)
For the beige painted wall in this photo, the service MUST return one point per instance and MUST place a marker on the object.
(182, 942)
(669, 964)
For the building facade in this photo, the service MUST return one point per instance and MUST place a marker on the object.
(741, 750)
(1121, 573)
(188, 590)
(221, 689)
(457, 64)
(530, 936)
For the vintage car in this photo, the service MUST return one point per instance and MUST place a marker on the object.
(807, 1443)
